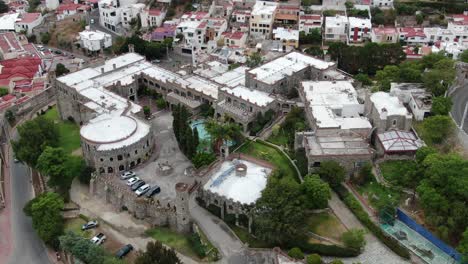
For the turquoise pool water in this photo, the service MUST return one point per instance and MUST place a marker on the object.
(205, 138)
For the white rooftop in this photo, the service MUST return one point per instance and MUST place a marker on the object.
(244, 189)
(388, 105)
(254, 96)
(336, 21)
(7, 21)
(232, 78)
(264, 8)
(359, 22)
(335, 105)
(339, 145)
(285, 33)
(287, 65)
(93, 35)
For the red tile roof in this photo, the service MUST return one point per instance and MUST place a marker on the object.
(233, 35)
(412, 32)
(384, 30)
(8, 97)
(154, 12)
(8, 41)
(21, 68)
(29, 17)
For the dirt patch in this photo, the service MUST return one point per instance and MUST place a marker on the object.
(65, 31)
(77, 152)
(37, 183)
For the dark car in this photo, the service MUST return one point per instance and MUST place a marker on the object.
(154, 190)
(89, 225)
(137, 185)
(57, 52)
(124, 251)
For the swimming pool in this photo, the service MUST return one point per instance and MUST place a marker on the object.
(204, 136)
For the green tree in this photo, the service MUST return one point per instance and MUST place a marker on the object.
(156, 253)
(279, 216)
(464, 56)
(463, 245)
(3, 91)
(203, 158)
(354, 238)
(60, 70)
(35, 136)
(296, 253)
(365, 174)
(349, 5)
(85, 175)
(419, 19)
(314, 259)
(430, 60)
(146, 111)
(441, 105)
(317, 192)
(45, 37)
(10, 116)
(301, 160)
(336, 261)
(3, 7)
(222, 132)
(436, 129)
(254, 60)
(160, 103)
(45, 211)
(363, 78)
(52, 163)
(332, 172)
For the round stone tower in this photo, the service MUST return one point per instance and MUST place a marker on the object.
(182, 207)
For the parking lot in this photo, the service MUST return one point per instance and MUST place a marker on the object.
(169, 165)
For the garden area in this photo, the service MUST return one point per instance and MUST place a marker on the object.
(69, 132)
(74, 225)
(326, 225)
(196, 245)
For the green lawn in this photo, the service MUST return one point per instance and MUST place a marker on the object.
(375, 192)
(75, 224)
(69, 132)
(326, 225)
(270, 154)
(393, 170)
(245, 237)
(280, 139)
(173, 239)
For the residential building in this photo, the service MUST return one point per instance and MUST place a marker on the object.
(11, 45)
(70, 9)
(235, 39)
(20, 6)
(95, 40)
(130, 14)
(161, 33)
(110, 14)
(241, 15)
(359, 29)
(382, 3)
(309, 22)
(336, 28)
(25, 68)
(387, 112)
(152, 17)
(262, 18)
(288, 37)
(287, 15)
(412, 36)
(384, 35)
(26, 22)
(286, 72)
(333, 106)
(415, 96)
(8, 21)
(194, 16)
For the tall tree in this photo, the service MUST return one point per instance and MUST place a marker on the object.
(441, 105)
(436, 129)
(60, 70)
(47, 220)
(317, 192)
(156, 253)
(35, 136)
(221, 132)
(3, 7)
(279, 217)
(332, 172)
(196, 138)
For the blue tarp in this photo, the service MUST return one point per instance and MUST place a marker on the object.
(428, 235)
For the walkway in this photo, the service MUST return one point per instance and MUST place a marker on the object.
(375, 251)
(217, 232)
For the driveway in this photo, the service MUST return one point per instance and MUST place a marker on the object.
(460, 101)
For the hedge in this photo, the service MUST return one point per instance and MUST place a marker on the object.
(329, 250)
(364, 218)
(448, 6)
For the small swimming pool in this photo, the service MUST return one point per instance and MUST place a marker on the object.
(203, 135)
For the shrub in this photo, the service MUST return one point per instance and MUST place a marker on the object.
(197, 245)
(329, 250)
(363, 217)
(354, 238)
(160, 103)
(203, 159)
(296, 253)
(314, 259)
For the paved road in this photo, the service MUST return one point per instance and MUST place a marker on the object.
(460, 99)
(27, 246)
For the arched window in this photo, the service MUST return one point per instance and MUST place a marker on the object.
(110, 170)
(119, 157)
(121, 167)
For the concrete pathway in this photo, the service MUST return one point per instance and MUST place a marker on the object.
(217, 232)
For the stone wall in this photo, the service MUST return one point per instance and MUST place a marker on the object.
(38, 101)
(156, 212)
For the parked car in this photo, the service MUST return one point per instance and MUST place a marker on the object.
(137, 185)
(98, 239)
(142, 189)
(124, 251)
(57, 52)
(40, 47)
(91, 21)
(89, 225)
(131, 181)
(127, 175)
(152, 191)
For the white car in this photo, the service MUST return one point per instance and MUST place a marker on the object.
(98, 239)
(131, 181)
(127, 175)
(142, 190)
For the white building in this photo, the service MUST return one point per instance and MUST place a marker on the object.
(288, 37)
(384, 35)
(334, 105)
(241, 16)
(152, 17)
(262, 18)
(309, 22)
(7, 22)
(131, 13)
(94, 40)
(27, 21)
(336, 28)
(110, 14)
(412, 36)
(415, 96)
(65, 10)
(235, 39)
(52, 4)
(382, 3)
(201, 35)
(359, 29)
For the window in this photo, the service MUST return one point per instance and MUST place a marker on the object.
(394, 122)
(111, 159)
(119, 157)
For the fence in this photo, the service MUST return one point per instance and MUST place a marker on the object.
(428, 235)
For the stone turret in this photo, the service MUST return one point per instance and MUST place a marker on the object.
(182, 207)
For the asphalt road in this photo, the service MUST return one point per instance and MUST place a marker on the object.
(28, 247)
(460, 99)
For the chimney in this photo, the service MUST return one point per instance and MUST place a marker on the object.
(102, 69)
(114, 66)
